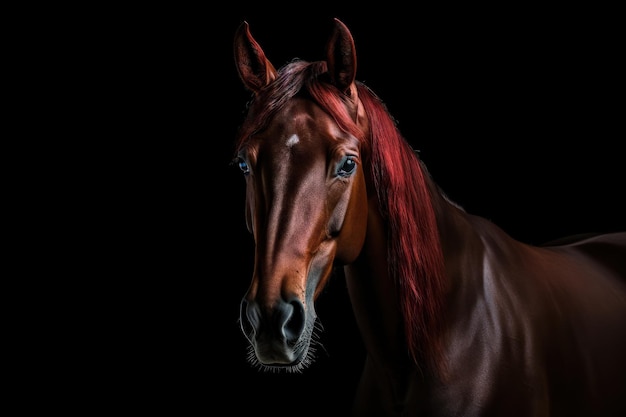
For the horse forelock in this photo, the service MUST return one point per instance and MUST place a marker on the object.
(414, 250)
(297, 77)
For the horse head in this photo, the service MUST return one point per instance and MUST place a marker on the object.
(301, 152)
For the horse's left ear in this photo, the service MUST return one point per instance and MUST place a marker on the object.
(341, 57)
(255, 70)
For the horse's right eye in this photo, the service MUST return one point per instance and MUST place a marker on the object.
(243, 166)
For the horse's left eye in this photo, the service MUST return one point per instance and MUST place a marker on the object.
(347, 167)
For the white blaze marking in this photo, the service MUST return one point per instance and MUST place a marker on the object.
(293, 139)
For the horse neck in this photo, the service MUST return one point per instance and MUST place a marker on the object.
(461, 237)
(455, 226)
(374, 296)
(374, 292)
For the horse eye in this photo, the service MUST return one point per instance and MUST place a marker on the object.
(243, 166)
(347, 167)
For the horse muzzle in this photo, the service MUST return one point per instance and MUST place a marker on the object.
(280, 335)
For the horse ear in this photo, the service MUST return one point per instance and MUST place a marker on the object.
(341, 57)
(255, 70)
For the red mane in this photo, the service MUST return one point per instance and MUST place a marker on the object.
(414, 250)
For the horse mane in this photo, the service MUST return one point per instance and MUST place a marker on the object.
(414, 252)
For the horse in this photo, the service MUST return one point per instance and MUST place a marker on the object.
(457, 317)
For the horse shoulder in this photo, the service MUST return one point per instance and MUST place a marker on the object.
(527, 319)
(496, 325)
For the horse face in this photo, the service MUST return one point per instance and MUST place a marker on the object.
(306, 208)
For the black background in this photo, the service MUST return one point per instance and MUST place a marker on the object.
(517, 113)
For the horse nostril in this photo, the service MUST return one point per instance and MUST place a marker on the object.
(244, 320)
(294, 325)
(284, 323)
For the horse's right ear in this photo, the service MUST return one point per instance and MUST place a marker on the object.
(255, 70)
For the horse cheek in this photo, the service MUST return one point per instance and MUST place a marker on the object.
(351, 213)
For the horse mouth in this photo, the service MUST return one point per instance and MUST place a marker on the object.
(278, 361)
(277, 356)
